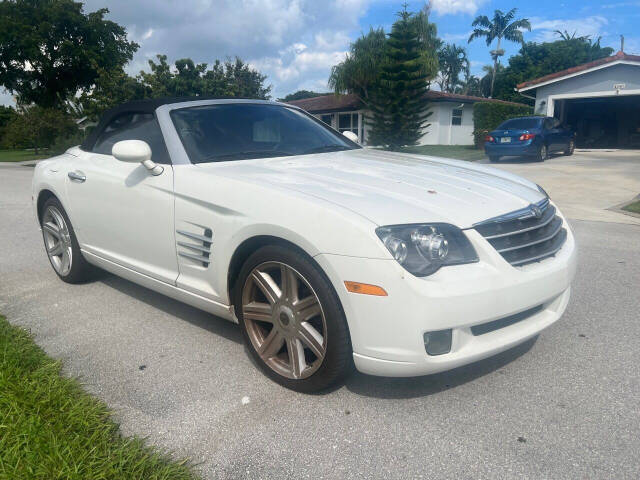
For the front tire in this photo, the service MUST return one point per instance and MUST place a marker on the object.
(571, 146)
(494, 159)
(61, 244)
(292, 320)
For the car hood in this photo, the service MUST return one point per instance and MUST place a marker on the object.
(391, 188)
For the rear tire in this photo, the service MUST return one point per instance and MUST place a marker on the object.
(292, 320)
(494, 159)
(542, 154)
(61, 244)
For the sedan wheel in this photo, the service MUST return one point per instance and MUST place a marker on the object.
(571, 146)
(57, 240)
(542, 154)
(292, 319)
(284, 320)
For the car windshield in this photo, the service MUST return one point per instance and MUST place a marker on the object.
(238, 131)
(520, 124)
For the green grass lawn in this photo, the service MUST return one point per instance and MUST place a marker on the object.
(633, 207)
(459, 152)
(51, 429)
(20, 155)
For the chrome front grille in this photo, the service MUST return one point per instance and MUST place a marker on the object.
(527, 235)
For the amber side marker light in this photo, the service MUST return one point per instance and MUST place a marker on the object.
(365, 289)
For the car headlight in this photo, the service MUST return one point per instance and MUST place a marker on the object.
(543, 191)
(423, 248)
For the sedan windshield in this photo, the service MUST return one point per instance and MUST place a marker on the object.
(238, 131)
(520, 124)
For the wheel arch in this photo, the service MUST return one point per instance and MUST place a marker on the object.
(244, 250)
(44, 195)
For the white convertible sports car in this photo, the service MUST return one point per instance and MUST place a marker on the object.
(326, 254)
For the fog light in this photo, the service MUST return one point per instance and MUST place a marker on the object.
(437, 343)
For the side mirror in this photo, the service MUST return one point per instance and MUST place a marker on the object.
(136, 151)
(350, 135)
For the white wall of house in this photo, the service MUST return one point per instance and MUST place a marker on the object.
(451, 123)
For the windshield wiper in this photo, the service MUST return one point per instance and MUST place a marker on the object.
(327, 148)
(247, 155)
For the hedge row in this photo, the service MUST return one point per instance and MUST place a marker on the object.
(488, 115)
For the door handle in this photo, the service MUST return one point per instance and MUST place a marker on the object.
(78, 177)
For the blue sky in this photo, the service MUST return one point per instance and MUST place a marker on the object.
(587, 17)
(295, 42)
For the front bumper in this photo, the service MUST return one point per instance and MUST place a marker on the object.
(387, 332)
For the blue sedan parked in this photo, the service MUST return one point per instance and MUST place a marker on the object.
(534, 137)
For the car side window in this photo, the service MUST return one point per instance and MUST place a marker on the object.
(134, 126)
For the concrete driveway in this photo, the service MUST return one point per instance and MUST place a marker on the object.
(562, 407)
(588, 184)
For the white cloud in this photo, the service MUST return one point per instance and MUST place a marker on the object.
(444, 7)
(456, 37)
(544, 30)
(294, 42)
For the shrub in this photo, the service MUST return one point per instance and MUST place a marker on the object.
(488, 115)
(37, 127)
(62, 143)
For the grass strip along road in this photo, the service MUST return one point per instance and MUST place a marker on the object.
(51, 429)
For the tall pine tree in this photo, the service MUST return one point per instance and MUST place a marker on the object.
(399, 105)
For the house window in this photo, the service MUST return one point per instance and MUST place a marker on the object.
(328, 119)
(349, 121)
(456, 116)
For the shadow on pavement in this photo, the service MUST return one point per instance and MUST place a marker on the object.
(358, 383)
(207, 321)
(519, 160)
(411, 387)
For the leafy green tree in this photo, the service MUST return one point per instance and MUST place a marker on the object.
(300, 95)
(6, 116)
(399, 104)
(233, 78)
(240, 79)
(501, 26)
(38, 127)
(51, 49)
(453, 62)
(360, 71)
(471, 85)
(535, 60)
(111, 89)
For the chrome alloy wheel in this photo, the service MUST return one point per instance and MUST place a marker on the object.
(57, 240)
(284, 320)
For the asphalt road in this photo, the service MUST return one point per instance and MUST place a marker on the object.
(563, 406)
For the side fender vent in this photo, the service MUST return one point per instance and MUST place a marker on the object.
(197, 246)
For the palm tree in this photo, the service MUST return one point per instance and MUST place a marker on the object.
(501, 26)
(453, 61)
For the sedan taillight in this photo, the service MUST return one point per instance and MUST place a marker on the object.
(489, 138)
(526, 136)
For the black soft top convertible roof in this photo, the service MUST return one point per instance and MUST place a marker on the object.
(140, 106)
